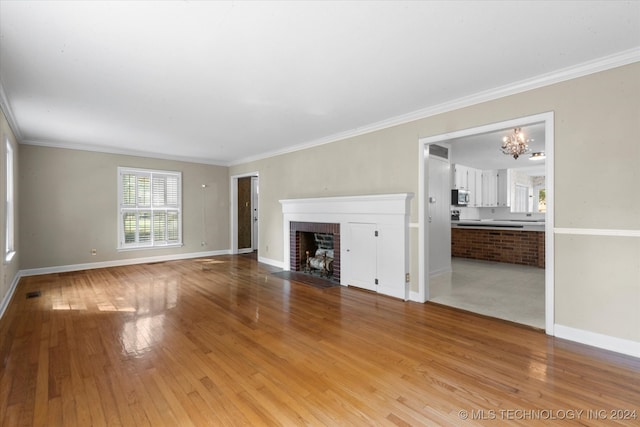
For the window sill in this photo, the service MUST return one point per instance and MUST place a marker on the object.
(142, 248)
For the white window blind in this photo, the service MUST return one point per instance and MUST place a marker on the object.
(150, 212)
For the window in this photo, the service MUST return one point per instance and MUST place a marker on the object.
(521, 199)
(9, 251)
(150, 213)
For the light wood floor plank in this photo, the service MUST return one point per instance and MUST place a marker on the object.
(221, 341)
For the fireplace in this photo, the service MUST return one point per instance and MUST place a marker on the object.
(316, 238)
(388, 214)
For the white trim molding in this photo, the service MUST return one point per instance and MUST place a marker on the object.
(611, 232)
(7, 298)
(271, 262)
(619, 345)
(590, 67)
(5, 105)
(120, 262)
(579, 70)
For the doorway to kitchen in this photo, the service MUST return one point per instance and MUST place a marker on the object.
(504, 278)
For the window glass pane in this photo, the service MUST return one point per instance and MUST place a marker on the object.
(129, 219)
(159, 226)
(542, 200)
(144, 191)
(172, 191)
(158, 190)
(129, 189)
(144, 227)
(172, 226)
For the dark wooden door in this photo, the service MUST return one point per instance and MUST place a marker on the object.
(244, 212)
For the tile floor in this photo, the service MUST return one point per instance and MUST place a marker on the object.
(505, 291)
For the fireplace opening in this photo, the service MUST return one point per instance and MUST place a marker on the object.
(315, 249)
(316, 253)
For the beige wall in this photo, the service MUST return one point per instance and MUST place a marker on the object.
(597, 169)
(68, 205)
(8, 270)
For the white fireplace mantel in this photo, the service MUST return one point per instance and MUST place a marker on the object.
(387, 213)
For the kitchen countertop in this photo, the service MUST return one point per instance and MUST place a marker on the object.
(500, 224)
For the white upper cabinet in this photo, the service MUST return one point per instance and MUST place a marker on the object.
(476, 190)
(474, 177)
(496, 188)
(460, 177)
(504, 188)
(490, 188)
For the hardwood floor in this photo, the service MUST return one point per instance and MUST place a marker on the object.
(221, 341)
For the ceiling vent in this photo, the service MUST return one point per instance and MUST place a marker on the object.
(438, 151)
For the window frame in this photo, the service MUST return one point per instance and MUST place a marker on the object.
(9, 206)
(150, 209)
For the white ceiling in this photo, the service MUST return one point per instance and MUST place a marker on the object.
(224, 82)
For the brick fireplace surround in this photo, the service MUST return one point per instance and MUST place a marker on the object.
(313, 227)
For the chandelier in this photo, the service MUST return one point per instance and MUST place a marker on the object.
(515, 144)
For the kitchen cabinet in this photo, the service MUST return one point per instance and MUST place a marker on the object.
(504, 188)
(490, 188)
(496, 188)
(487, 188)
(475, 187)
(460, 177)
(469, 179)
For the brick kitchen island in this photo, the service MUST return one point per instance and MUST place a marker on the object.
(513, 244)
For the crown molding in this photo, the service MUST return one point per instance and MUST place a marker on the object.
(8, 113)
(590, 67)
(121, 151)
(602, 64)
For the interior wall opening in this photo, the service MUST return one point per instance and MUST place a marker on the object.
(503, 254)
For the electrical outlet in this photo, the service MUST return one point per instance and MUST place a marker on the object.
(407, 278)
(94, 252)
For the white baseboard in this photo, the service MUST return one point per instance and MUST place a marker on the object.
(606, 342)
(7, 298)
(415, 297)
(119, 262)
(271, 262)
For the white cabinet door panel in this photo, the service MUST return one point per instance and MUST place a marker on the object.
(361, 255)
(391, 266)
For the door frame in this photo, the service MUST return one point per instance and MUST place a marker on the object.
(233, 208)
(423, 189)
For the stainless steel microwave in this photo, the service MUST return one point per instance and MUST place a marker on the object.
(459, 197)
